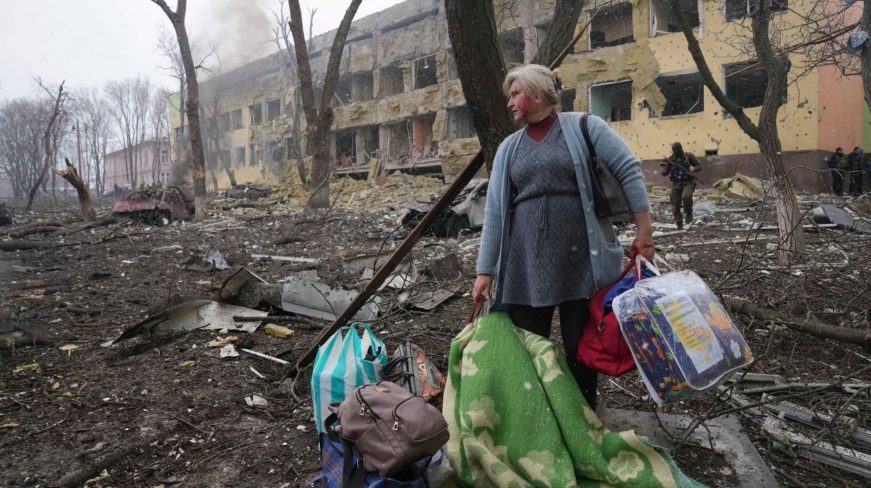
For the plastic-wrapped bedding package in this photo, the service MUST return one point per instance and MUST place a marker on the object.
(682, 339)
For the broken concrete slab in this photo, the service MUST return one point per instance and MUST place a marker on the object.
(192, 315)
(825, 214)
(303, 293)
(726, 437)
(740, 186)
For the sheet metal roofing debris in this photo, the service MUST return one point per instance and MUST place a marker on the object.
(740, 186)
(289, 259)
(305, 294)
(192, 315)
(826, 213)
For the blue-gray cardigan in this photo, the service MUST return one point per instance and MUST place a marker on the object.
(606, 253)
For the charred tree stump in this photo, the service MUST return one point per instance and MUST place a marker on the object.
(72, 176)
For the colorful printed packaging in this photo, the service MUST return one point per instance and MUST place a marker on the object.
(681, 337)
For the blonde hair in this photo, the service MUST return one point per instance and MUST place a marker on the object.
(537, 80)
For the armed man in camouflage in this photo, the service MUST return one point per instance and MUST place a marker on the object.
(681, 168)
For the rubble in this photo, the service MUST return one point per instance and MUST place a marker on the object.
(5, 215)
(249, 191)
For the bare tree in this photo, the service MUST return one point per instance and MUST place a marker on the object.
(158, 121)
(281, 35)
(319, 119)
(130, 106)
(481, 68)
(765, 132)
(71, 175)
(22, 122)
(49, 136)
(94, 117)
(217, 122)
(177, 18)
(168, 47)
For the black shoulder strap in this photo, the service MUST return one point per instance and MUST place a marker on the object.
(586, 132)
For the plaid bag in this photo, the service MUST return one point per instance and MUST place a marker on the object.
(342, 466)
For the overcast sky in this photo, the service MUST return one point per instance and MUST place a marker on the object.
(90, 42)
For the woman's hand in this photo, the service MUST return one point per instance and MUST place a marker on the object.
(483, 287)
(643, 243)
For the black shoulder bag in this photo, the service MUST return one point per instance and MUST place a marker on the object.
(609, 200)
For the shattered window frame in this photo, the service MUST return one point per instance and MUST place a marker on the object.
(240, 161)
(364, 81)
(347, 139)
(255, 112)
(736, 10)
(745, 83)
(423, 72)
(512, 45)
(396, 84)
(676, 106)
(237, 119)
(460, 124)
(625, 110)
(273, 109)
(659, 5)
(597, 16)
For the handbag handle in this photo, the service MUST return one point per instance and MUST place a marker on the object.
(594, 159)
(642, 261)
(476, 311)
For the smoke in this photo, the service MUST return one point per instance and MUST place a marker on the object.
(240, 31)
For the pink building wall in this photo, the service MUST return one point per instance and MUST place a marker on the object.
(116, 171)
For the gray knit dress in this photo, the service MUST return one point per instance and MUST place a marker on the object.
(548, 258)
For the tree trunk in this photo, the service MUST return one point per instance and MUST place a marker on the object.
(559, 32)
(72, 176)
(231, 175)
(198, 170)
(474, 37)
(318, 122)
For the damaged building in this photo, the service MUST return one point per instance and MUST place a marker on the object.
(399, 105)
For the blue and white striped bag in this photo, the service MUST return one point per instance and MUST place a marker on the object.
(352, 357)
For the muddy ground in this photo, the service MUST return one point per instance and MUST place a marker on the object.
(168, 411)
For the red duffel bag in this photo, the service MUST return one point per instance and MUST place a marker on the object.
(602, 346)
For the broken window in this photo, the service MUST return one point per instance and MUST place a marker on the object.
(346, 148)
(224, 120)
(361, 87)
(611, 25)
(746, 83)
(612, 101)
(254, 157)
(684, 94)
(391, 81)
(511, 43)
(164, 156)
(739, 9)
(370, 142)
(273, 110)
(256, 112)
(237, 119)
(460, 124)
(663, 20)
(567, 100)
(425, 72)
(421, 126)
(398, 144)
(240, 157)
(343, 90)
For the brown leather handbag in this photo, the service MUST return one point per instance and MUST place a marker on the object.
(390, 427)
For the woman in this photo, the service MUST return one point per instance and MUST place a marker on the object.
(542, 244)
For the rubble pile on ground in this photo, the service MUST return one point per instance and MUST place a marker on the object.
(206, 319)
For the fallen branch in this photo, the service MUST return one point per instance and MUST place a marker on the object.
(19, 245)
(809, 325)
(107, 220)
(36, 229)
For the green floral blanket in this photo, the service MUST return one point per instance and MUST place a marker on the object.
(517, 419)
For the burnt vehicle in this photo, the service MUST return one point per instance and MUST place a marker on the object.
(156, 204)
